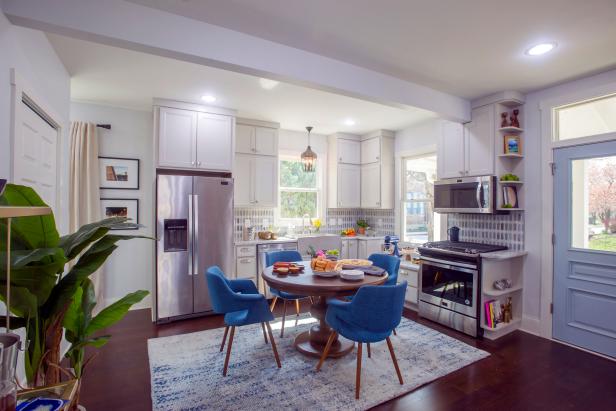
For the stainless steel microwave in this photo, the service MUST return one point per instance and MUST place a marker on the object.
(473, 195)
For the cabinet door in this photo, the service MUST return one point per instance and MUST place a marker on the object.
(349, 186)
(244, 139)
(374, 246)
(371, 150)
(265, 181)
(242, 185)
(371, 186)
(349, 151)
(450, 157)
(266, 141)
(177, 135)
(214, 142)
(352, 249)
(246, 267)
(344, 250)
(362, 249)
(479, 142)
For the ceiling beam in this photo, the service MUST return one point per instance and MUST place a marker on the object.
(132, 26)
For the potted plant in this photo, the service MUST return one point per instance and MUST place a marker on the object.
(44, 287)
(363, 225)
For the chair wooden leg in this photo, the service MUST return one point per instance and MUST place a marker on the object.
(395, 333)
(330, 341)
(358, 371)
(273, 304)
(284, 314)
(393, 358)
(264, 333)
(271, 335)
(297, 307)
(224, 370)
(311, 300)
(224, 338)
(369, 353)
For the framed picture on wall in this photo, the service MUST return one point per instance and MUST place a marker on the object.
(119, 173)
(512, 145)
(121, 207)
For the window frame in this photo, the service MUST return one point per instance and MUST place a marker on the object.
(557, 141)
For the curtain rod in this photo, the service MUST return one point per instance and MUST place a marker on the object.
(107, 126)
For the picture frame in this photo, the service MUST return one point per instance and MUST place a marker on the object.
(121, 207)
(510, 196)
(119, 173)
(512, 144)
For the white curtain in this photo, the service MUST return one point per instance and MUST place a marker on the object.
(84, 197)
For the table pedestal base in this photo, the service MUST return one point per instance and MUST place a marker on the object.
(313, 342)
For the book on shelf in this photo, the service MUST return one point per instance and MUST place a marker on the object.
(493, 313)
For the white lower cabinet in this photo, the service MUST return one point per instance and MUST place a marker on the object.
(246, 263)
(349, 248)
(412, 278)
(368, 246)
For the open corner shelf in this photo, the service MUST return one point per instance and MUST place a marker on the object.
(499, 293)
(509, 209)
(500, 329)
(511, 155)
(510, 129)
(510, 183)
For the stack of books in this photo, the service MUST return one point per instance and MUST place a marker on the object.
(493, 313)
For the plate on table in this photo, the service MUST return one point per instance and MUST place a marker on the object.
(325, 274)
(352, 275)
(369, 270)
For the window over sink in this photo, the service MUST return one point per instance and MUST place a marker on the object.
(300, 192)
(419, 222)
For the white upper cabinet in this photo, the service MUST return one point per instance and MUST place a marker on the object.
(349, 186)
(214, 142)
(450, 157)
(349, 151)
(371, 185)
(189, 136)
(266, 141)
(242, 176)
(244, 138)
(371, 150)
(480, 142)
(265, 181)
(468, 150)
(177, 136)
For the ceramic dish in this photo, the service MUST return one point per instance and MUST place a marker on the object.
(326, 274)
(352, 275)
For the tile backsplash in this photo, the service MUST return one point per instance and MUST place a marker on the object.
(261, 218)
(499, 229)
(382, 221)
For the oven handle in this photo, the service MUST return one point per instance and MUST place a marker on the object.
(468, 268)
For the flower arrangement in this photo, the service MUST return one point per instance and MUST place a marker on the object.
(316, 223)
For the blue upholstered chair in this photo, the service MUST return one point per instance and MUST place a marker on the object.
(288, 256)
(241, 304)
(389, 263)
(371, 316)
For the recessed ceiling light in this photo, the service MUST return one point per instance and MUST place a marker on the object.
(208, 98)
(267, 83)
(540, 49)
(349, 122)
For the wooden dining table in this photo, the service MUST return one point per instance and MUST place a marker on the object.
(306, 283)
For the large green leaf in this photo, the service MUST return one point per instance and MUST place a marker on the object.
(27, 232)
(115, 312)
(24, 304)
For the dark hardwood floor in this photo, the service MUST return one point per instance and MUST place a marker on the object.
(524, 372)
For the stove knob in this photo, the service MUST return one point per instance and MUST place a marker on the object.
(474, 251)
(468, 250)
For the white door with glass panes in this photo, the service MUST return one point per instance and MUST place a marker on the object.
(177, 136)
(265, 180)
(214, 142)
(451, 151)
(349, 186)
(371, 185)
(479, 142)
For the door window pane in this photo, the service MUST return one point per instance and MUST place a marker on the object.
(418, 216)
(586, 119)
(593, 208)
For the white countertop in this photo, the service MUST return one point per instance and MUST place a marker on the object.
(503, 255)
(256, 242)
(294, 240)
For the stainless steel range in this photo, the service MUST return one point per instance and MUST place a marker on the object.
(449, 283)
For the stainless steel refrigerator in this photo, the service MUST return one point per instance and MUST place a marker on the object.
(194, 230)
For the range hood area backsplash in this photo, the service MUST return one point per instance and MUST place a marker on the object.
(498, 229)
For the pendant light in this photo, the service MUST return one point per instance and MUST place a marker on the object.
(309, 157)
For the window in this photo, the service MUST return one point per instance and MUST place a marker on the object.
(587, 118)
(299, 191)
(419, 222)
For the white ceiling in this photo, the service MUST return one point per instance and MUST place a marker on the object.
(115, 76)
(469, 48)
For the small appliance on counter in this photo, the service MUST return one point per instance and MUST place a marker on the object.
(391, 245)
(454, 234)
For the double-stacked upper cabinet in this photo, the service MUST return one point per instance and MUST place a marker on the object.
(467, 150)
(377, 170)
(256, 164)
(344, 171)
(190, 136)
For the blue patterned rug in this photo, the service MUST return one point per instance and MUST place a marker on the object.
(186, 370)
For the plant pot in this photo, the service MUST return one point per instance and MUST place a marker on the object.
(362, 230)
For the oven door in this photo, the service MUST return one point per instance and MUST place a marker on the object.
(450, 286)
(465, 195)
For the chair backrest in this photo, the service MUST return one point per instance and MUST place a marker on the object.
(220, 292)
(389, 263)
(287, 256)
(378, 308)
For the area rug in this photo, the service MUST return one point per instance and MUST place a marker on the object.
(186, 370)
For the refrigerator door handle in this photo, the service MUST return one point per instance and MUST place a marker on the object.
(191, 239)
(196, 235)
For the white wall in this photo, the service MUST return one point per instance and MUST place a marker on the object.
(131, 266)
(35, 61)
(534, 164)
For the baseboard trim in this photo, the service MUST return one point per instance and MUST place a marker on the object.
(531, 325)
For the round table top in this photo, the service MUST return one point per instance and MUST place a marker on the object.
(307, 283)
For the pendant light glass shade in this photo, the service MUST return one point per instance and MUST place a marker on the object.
(309, 157)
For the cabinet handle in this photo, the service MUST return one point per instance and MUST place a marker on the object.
(377, 158)
(461, 172)
(198, 163)
(193, 163)
(246, 260)
(341, 159)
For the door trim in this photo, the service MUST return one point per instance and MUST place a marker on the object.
(548, 145)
